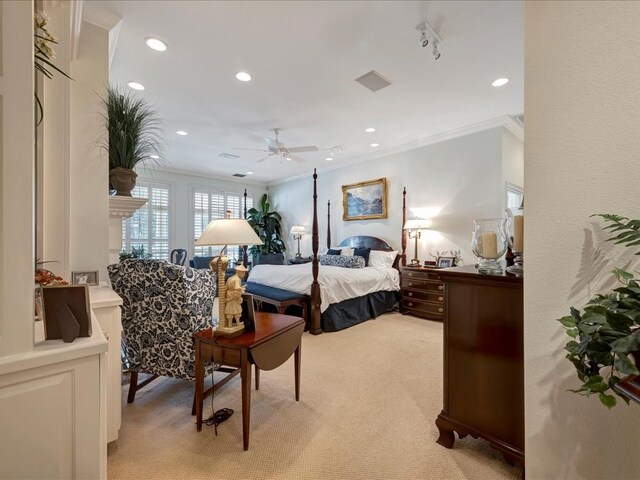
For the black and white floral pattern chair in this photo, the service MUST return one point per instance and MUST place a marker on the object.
(163, 306)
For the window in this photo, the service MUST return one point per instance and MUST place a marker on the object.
(515, 196)
(209, 205)
(149, 225)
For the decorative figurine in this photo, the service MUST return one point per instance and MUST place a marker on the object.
(233, 307)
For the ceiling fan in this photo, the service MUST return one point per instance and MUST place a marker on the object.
(277, 148)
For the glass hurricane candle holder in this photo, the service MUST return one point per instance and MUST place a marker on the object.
(489, 244)
(515, 234)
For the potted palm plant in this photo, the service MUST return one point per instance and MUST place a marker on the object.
(605, 335)
(134, 136)
(267, 226)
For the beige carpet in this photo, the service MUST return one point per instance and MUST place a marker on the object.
(369, 398)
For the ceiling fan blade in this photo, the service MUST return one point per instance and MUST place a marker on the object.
(295, 158)
(263, 159)
(308, 148)
(251, 149)
(272, 145)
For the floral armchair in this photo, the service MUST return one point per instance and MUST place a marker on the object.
(163, 306)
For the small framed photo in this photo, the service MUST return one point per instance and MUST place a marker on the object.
(84, 278)
(248, 314)
(66, 312)
(446, 262)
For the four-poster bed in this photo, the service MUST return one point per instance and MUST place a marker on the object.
(341, 297)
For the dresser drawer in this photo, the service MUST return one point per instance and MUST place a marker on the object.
(427, 295)
(418, 306)
(433, 285)
(419, 274)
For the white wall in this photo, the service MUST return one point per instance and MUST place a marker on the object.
(462, 178)
(181, 187)
(88, 166)
(582, 106)
(512, 159)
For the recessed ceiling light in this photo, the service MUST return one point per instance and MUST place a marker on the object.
(136, 85)
(155, 157)
(182, 132)
(499, 82)
(243, 76)
(328, 159)
(249, 173)
(374, 145)
(370, 130)
(156, 44)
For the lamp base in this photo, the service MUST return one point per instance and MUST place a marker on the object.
(229, 332)
(298, 256)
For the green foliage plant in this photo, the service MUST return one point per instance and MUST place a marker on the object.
(134, 131)
(267, 226)
(136, 252)
(607, 331)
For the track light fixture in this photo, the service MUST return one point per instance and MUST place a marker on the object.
(429, 35)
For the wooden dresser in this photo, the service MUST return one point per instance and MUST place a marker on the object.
(422, 293)
(483, 360)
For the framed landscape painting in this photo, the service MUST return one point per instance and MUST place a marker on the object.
(365, 200)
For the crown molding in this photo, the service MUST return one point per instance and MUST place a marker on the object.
(504, 121)
(148, 173)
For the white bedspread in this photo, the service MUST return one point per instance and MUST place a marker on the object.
(336, 283)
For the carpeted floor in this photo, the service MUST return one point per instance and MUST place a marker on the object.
(369, 398)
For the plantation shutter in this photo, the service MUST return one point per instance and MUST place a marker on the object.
(148, 228)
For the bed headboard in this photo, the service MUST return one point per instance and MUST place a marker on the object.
(364, 241)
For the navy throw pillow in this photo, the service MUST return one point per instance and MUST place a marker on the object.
(333, 252)
(364, 253)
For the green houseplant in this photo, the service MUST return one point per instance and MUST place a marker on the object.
(607, 331)
(134, 136)
(267, 226)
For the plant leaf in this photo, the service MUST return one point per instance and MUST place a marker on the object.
(608, 401)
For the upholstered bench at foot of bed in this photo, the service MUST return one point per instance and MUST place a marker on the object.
(277, 297)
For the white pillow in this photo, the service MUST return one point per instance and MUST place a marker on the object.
(344, 251)
(378, 258)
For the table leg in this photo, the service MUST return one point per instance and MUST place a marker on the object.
(199, 385)
(257, 378)
(246, 396)
(297, 357)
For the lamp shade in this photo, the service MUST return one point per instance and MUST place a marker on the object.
(417, 224)
(297, 229)
(228, 231)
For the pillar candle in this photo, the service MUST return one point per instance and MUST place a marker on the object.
(518, 233)
(489, 244)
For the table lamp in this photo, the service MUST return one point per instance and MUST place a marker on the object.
(414, 229)
(223, 232)
(297, 231)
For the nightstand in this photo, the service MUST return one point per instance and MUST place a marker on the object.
(298, 261)
(422, 293)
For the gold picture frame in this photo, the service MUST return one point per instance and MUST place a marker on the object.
(365, 200)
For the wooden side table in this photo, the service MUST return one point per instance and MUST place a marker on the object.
(483, 360)
(275, 339)
(422, 293)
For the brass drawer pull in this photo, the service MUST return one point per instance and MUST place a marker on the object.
(410, 294)
(411, 304)
(441, 310)
(440, 299)
(440, 287)
(411, 284)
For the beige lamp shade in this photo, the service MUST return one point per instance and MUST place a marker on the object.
(298, 230)
(228, 231)
(417, 224)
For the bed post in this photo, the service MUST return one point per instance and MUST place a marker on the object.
(315, 327)
(404, 220)
(245, 256)
(328, 224)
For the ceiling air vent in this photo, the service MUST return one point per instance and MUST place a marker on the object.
(239, 175)
(373, 81)
(230, 156)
